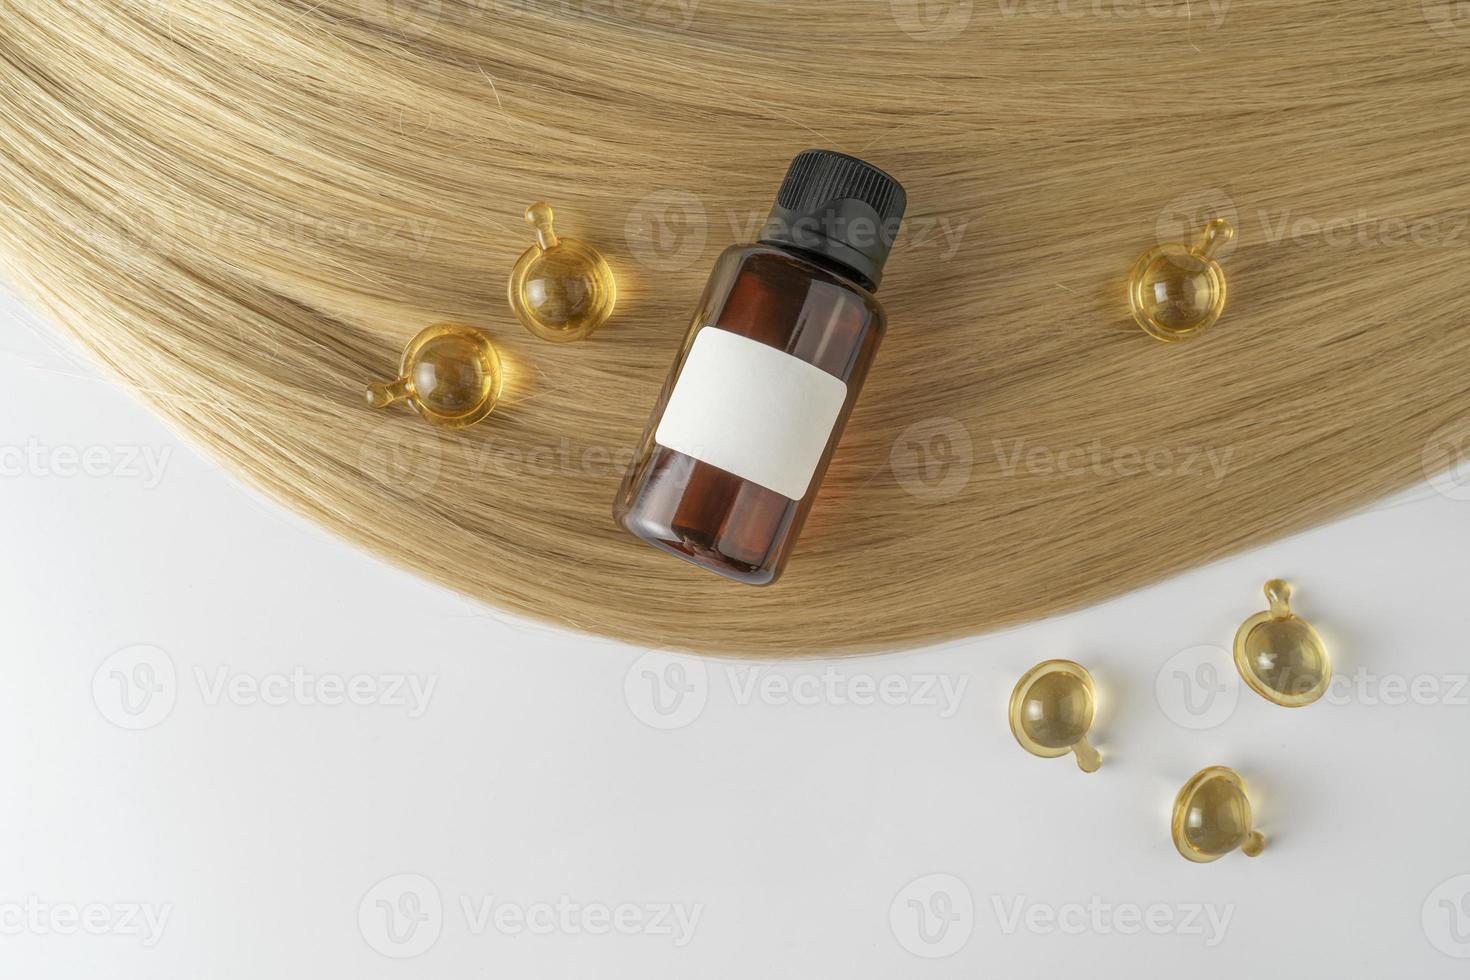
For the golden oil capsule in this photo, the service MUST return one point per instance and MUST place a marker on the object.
(1280, 655)
(560, 289)
(1212, 817)
(1177, 291)
(450, 374)
(1051, 712)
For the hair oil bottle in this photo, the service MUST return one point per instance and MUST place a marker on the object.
(768, 374)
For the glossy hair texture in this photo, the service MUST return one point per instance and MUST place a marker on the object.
(245, 208)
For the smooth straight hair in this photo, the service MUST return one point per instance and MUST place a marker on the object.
(245, 208)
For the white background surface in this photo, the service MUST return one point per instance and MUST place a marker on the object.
(803, 833)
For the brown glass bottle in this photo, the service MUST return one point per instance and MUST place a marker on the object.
(758, 424)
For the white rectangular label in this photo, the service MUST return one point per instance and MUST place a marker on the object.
(752, 410)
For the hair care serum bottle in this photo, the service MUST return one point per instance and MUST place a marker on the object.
(768, 373)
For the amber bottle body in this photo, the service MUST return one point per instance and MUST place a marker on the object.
(804, 307)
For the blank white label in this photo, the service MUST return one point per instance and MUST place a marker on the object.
(753, 411)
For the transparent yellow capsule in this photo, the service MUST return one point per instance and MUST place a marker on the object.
(1212, 817)
(561, 289)
(1280, 655)
(450, 374)
(1051, 712)
(1178, 290)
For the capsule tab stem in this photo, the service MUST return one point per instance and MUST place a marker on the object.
(1278, 594)
(382, 395)
(1216, 234)
(1088, 759)
(539, 216)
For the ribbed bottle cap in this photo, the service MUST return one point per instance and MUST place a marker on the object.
(840, 208)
